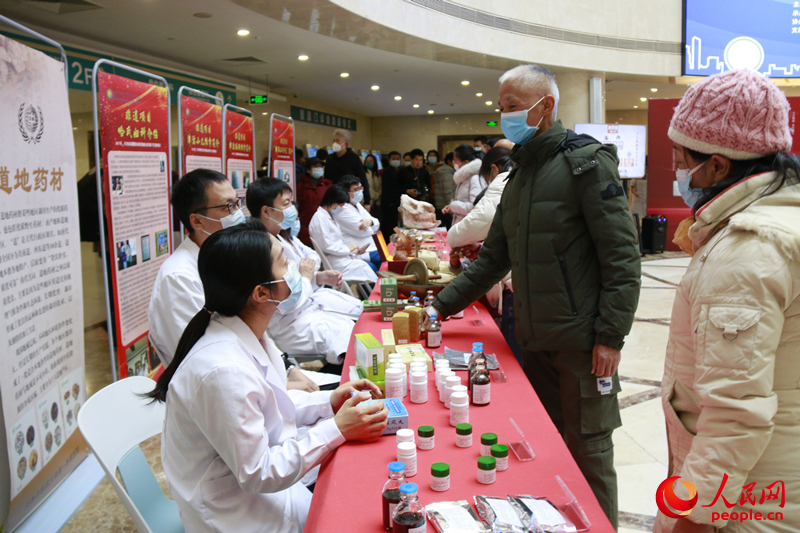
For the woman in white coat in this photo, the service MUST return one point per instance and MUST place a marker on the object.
(323, 319)
(229, 446)
(469, 182)
(351, 260)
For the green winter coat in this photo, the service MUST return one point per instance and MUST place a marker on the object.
(564, 229)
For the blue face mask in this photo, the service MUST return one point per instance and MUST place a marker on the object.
(684, 177)
(358, 197)
(369, 165)
(515, 125)
(295, 229)
(294, 281)
(289, 217)
(337, 210)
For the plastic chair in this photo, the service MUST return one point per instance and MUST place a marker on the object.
(113, 422)
(326, 265)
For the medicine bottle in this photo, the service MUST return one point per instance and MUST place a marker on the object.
(459, 408)
(434, 332)
(481, 386)
(420, 359)
(407, 454)
(413, 300)
(449, 383)
(500, 453)
(403, 375)
(443, 385)
(477, 351)
(487, 472)
(487, 441)
(419, 387)
(425, 435)
(419, 366)
(441, 368)
(404, 435)
(429, 298)
(409, 515)
(464, 435)
(391, 492)
(393, 386)
(440, 477)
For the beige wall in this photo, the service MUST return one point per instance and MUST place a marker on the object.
(405, 133)
(627, 116)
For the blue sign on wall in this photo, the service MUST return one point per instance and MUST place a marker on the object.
(722, 35)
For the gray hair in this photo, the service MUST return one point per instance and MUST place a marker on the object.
(344, 133)
(534, 78)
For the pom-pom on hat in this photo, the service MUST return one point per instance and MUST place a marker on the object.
(739, 114)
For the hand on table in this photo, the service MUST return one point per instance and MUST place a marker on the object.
(364, 224)
(307, 267)
(605, 361)
(342, 392)
(299, 381)
(330, 277)
(361, 422)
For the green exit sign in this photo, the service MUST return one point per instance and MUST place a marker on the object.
(490, 123)
(259, 99)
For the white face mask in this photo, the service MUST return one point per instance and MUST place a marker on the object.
(234, 219)
(336, 147)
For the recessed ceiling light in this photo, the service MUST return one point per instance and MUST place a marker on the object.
(375, 87)
(430, 111)
(447, 118)
(496, 110)
(489, 102)
(203, 15)
(465, 82)
(302, 57)
(344, 74)
(643, 99)
(636, 107)
(416, 106)
(264, 113)
(242, 33)
(653, 89)
(478, 94)
(398, 97)
(74, 127)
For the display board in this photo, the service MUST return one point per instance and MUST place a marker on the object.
(133, 124)
(630, 141)
(240, 148)
(42, 383)
(762, 35)
(199, 131)
(281, 150)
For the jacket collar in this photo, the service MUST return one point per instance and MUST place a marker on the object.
(539, 149)
(467, 171)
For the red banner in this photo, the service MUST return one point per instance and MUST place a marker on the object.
(201, 123)
(134, 137)
(239, 149)
(282, 151)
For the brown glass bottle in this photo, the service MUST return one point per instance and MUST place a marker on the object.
(405, 522)
(480, 387)
(391, 498)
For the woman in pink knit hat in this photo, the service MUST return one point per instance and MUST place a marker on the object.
(731, 387)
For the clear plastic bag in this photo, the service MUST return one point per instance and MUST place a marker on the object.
(540, 516)
(455, 517)
(499, 514)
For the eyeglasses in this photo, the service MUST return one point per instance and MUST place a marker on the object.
(231, 206)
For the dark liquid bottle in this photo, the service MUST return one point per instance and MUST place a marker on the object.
(481, 386)
(405, 522)
(409, 517)
(391, 492)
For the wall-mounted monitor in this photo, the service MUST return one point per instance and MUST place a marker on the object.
(760, 35)
(377, 155)
(364, 154)
(631, 143)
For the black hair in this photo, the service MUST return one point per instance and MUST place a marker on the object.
(496, 156)
(265, 162)
(262, 192)
(464, 152)
(394, 152)
(191, 193)
(448, 157)
(375, 159)
(347, 181)
(406, 154)
(299, 153)
(416, 152)
(493, 141)
(787, 166)
(335, 195)
(311, 161)
(436, 153)
(482, 138)
(232, 263)
(322, 154)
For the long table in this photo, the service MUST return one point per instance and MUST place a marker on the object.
(348, 498)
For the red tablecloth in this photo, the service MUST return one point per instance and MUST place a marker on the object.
(347, 497)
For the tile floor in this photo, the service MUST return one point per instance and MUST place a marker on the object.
(640, 445)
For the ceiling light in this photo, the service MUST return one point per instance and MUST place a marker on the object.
(447, 118)
(302, 57)
(398, 97)
(643, 99)
(496, 110)
(636, 107)
(489, 102)
(375, 87)
(416, 106)
(430, 111)
(344, 74)
(74, 127)
(465, 82)
(654, 90)
(242, 33)
(264, 113)
(478, 94)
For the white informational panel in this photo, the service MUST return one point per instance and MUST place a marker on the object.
(42, 382)
(631, 143)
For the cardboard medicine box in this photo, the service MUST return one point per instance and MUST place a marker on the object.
(388, 291)
(370, 359)
(398, 415)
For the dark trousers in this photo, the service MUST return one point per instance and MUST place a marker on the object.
(584, 417)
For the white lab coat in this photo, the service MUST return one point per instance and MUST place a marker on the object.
(229, 446)
(349, 220)
(322, 320)
(328, 236)
(177, 296)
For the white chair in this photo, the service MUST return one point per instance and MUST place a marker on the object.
(326, 265)
(113, 422)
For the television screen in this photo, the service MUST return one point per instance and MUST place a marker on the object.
(631, 142)
(312, 152)
(377, 155)
(761, 35)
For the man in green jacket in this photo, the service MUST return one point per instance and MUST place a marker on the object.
(564, 230)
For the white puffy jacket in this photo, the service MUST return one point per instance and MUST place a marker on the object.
(474, 227)
(731, 387)
(468, 185)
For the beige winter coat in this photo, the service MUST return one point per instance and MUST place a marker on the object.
(731, 387)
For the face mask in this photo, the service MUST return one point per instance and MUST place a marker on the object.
(289, 216)
(358, 197)
(294, 281)
(406, 163)
(336, 147)
(369, 165)
(515, 125)
(317, 172)
(395, 163)
(337, 210)
(295, 229)
(431, 160)
(234, 219)
(456, 165)
(684, 177)
(477, 149)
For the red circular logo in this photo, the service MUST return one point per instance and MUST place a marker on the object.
(667, 500)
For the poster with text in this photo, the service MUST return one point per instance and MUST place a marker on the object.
(40, 279)
(631, 143)
(134, 136)
(201, 124)
(282, 153)
(239, 150)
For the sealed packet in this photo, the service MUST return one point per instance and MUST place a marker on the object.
(499, 514)
(455, 517)
(540, 515)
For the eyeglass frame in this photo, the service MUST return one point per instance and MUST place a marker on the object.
(237, 204)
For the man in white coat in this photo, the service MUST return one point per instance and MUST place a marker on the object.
(357, 225)
(205, 203)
